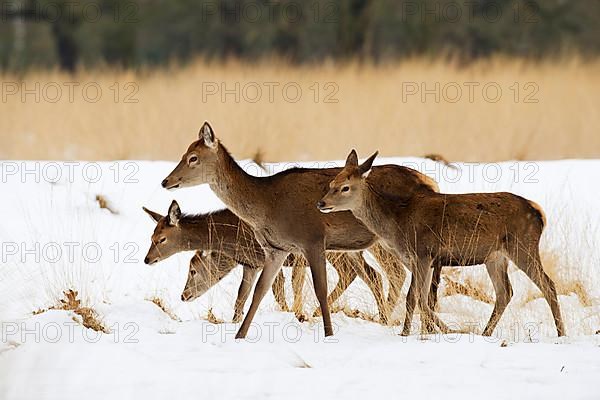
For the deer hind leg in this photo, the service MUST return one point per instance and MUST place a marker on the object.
(298, 274)
(531, 264)
(273, 262)
(315, 256)
(278, 289)
(435, 284)
(346, 275)
(248, 280)
(394, 271)
(422, 276)
(373, 280)
(497, 267)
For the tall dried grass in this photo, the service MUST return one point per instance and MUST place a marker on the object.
(372, 111)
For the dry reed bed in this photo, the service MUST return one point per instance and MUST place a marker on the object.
(373, 110)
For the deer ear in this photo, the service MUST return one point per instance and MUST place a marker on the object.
(352, 160)
(174, 213)
(365, 168)
(208, 135)
(154, 215)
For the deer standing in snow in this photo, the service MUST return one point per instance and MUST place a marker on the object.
(429, 228)
(281, 211)
(222, 241)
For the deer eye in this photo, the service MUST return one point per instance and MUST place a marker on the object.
(345, 189)
(162, 240)
(192, 159)
(193, 272)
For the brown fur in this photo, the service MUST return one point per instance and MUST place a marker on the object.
(281, 210)
(223, 241)
(450, 229)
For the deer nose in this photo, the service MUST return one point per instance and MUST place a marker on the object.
(320, 204)
(165, 182)
(146, 260)
(183, 297)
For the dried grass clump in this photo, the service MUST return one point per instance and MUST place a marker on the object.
(89, 317)
(466, 288)
(439, 159)
(566, 285)
(564, 289)
(160, 304)
(212, 318)
(355, 313)
(105, 204)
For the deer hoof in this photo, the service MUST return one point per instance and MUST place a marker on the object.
(240, 335)
(301, 317)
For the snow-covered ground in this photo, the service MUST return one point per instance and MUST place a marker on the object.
(55, 237)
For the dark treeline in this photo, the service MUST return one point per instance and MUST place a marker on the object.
(69, 33)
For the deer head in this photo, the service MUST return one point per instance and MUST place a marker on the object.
(345, 191)
(198, 164)
(167, 238)
(206, 270)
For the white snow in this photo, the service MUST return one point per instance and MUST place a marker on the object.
(54, 237)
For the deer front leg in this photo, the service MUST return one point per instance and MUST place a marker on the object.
(273, 262)
(346, 275)
(411, 299)
(298, 270)
(248, 279)
(422, 276)
(278, 289)
(315, 256)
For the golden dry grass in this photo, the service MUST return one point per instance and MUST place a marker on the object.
(459, 281)
(565, 285)
(105, 204)
(212, 318)
(166, 309)
(370, 112)
(467, 288)
(87, 316)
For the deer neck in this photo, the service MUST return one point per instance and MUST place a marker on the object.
(195, 233)
(220, 232)
(241, 192)
(377, 210)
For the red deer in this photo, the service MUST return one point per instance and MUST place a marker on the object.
(226, 241)
(423, 228)
(281, 211)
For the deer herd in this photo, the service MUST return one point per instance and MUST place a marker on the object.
(334, 214)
